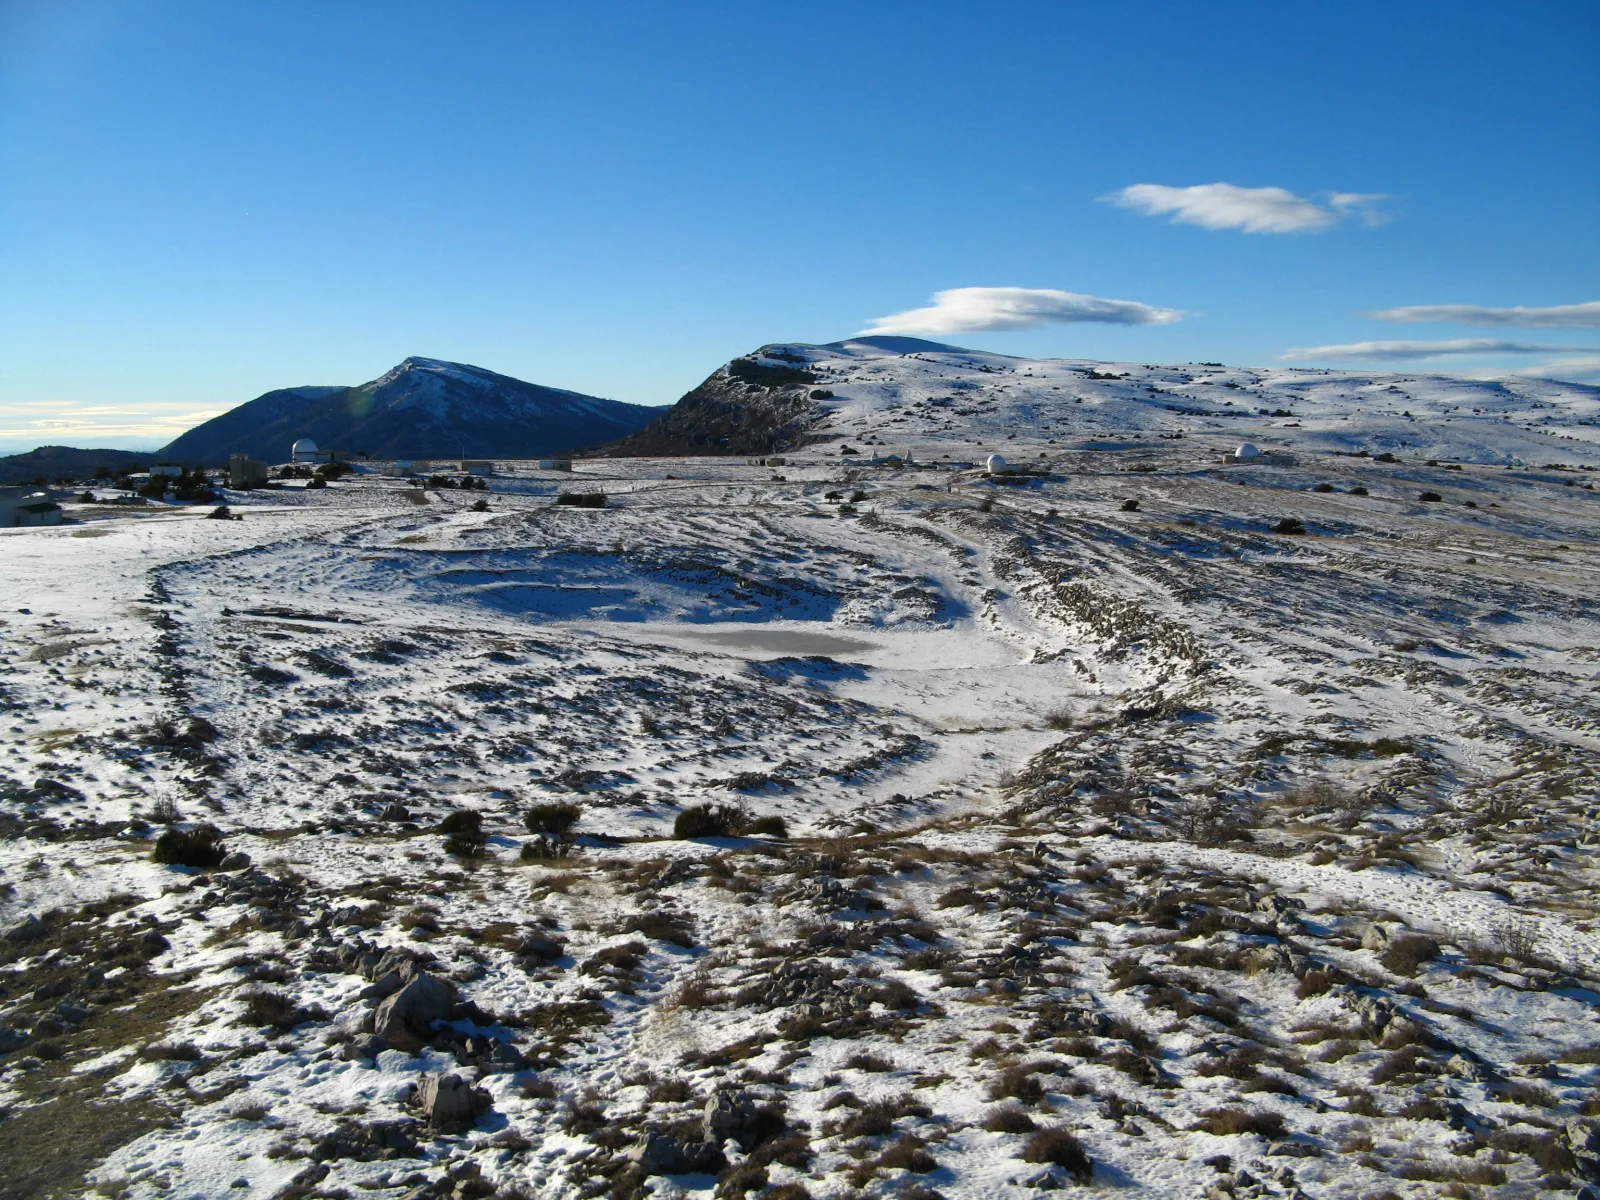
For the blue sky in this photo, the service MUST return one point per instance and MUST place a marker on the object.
(201, 201)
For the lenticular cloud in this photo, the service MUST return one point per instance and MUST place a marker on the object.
(1251, 210)
(974, 309)
(1556, 316)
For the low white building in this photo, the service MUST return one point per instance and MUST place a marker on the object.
(555, 464)
(477, 466)
(169, 470)
(33, 510)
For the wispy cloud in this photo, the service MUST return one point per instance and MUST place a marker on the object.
(974, 309)
(46, 422)
(1394, 351)
(1251, 210)
(1558, 316)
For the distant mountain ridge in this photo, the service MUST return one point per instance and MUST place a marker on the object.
(67, 462)
(421, 408)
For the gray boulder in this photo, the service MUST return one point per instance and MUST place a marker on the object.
(450, 1103)
(27, 929)
(409, 1014)
(664, 1154)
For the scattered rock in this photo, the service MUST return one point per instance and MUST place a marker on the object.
(538, 946)
(28, 929)
(238, 860)
(664, 1154)
(450, 1103)
(409, 1014)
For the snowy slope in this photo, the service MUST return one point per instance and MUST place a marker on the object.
(903, 393)
(423, 407)
(1263, 864)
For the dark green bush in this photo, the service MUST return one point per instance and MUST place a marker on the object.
(1130, 506)
(1429, 497)
(582, 499)
(200, 847)
(771, 826)
(551, 818)
(462, 821)
(710, 820)
(1292, 525)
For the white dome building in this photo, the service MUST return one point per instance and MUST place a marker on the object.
(1247, 451)
(305, 451)
(997, 465)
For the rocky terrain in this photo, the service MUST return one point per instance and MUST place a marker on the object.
(1143, 821)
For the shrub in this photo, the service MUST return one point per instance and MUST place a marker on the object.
(874, 1063)
(170, 1052)
(1016, 1083)
(1290, 525)
(480, 505)
(1429, 497)
(1130, 506)
(200, 847)
(710, 820)
(582, 499)
(770, 826)
(1358, 490)
(1313, 983)
(461, 821)
(909, 1154)
(1407, 952)
(1229, 1122)
(551, 818)
(1008, 1118)
(268, 1006)
(1061, 1147)
(1323, 487)
(545, 847)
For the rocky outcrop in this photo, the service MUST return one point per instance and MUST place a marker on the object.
(759, 404)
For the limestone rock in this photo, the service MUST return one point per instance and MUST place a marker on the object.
(409, 1014)
(450, 1103)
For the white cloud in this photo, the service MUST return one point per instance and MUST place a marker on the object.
(1559, 316)
(1575, 370)
(1252, 210)
(76, 424)
(973, 309)
(1390, 351)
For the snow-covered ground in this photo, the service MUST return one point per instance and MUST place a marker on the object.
(1254, 861)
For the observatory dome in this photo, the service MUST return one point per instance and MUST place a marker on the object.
(1247, 451)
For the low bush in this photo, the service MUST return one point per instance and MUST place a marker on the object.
(909, 1154)
(1230, 1122)
(1289, 525)
(1358, 490)
(1409, 951)
(582, 499)
(768, 826)
(1008, 1118)
(1429, 497)
(710, 820)
(551, 818)
(200, 847)
(1130, 506)
(1062, 1148)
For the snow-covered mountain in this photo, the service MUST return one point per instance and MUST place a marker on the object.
(905, 393)
(421, 408)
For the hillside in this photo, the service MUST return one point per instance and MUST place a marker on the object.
(900, 394)
(421, 408)
(851, 829)
(66, 462)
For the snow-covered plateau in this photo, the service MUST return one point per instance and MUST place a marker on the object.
(1144, 820)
